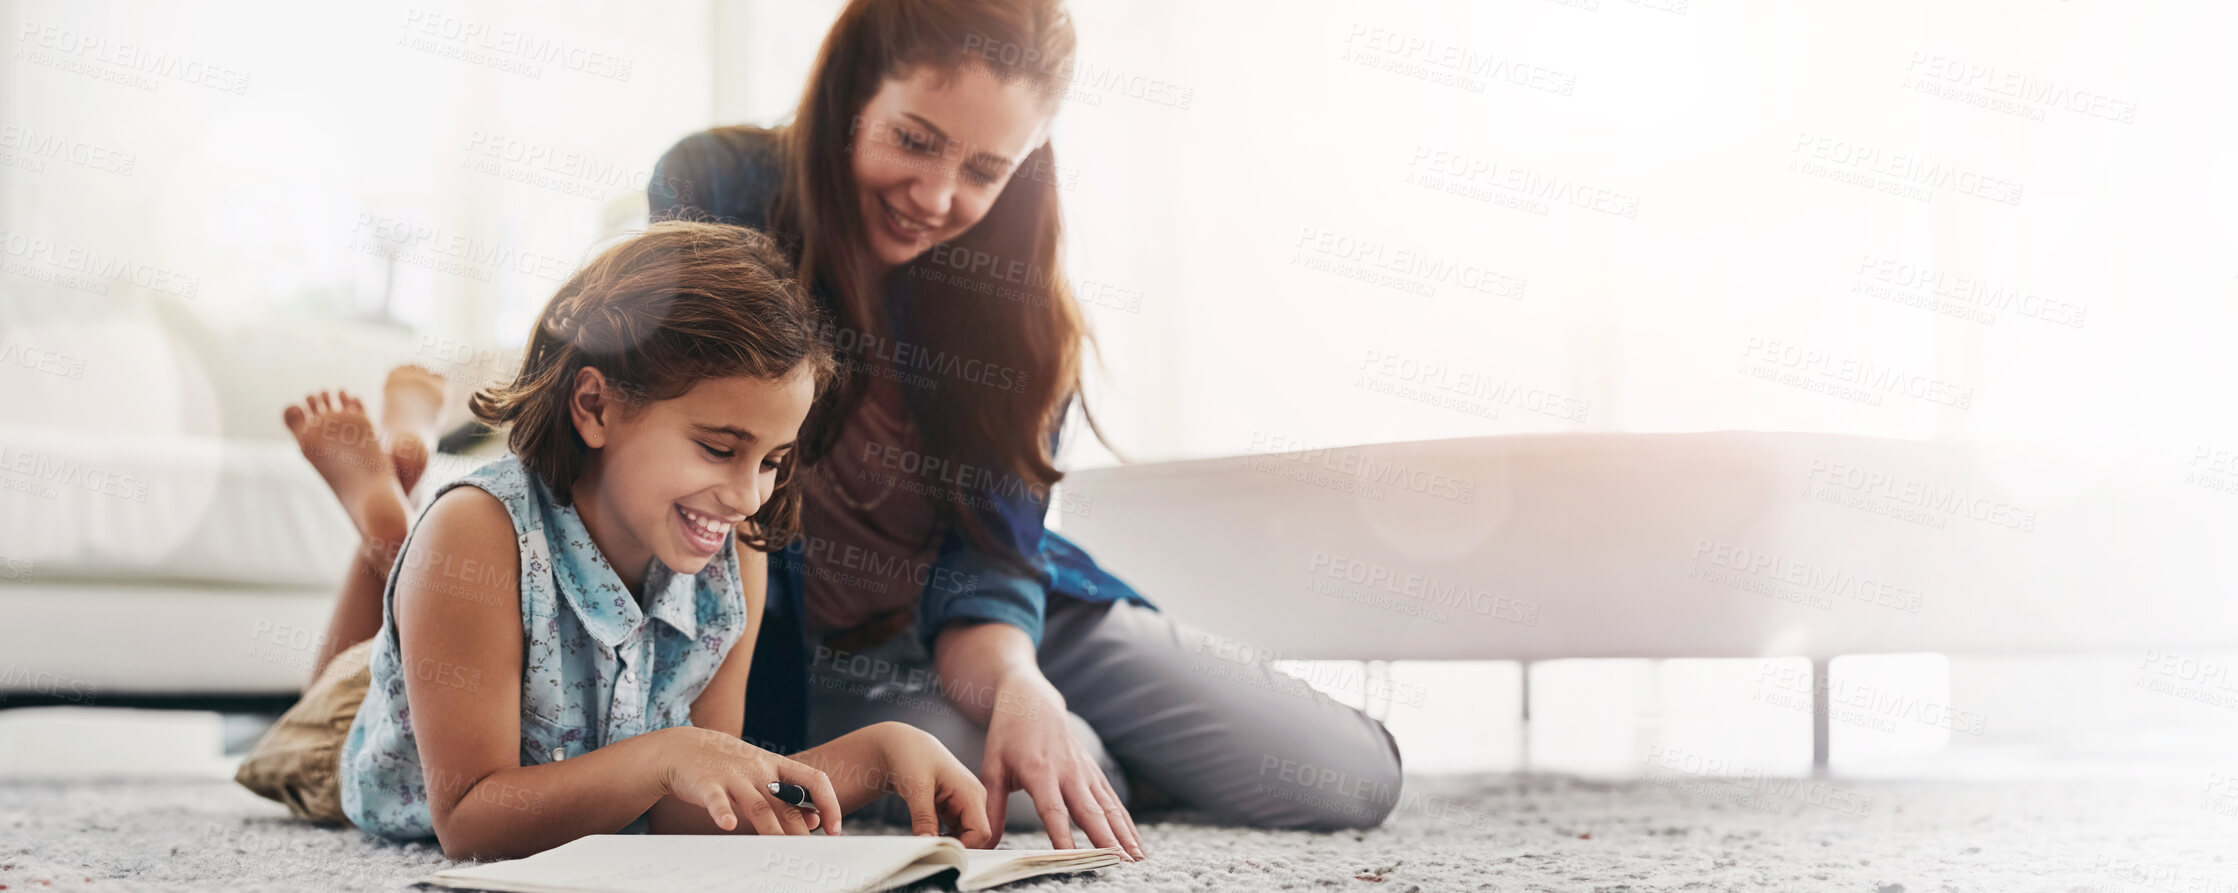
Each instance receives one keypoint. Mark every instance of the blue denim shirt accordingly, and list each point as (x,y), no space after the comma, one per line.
(732,175)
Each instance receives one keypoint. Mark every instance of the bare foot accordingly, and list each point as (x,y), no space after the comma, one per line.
(341,443)
(411,405)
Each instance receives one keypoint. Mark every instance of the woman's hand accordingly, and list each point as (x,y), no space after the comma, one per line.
(1031,747)
(934,783)
(726,776)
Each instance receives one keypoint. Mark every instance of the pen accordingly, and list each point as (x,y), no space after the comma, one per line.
(791,793)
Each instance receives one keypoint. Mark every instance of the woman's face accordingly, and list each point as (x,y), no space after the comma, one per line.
(933,149)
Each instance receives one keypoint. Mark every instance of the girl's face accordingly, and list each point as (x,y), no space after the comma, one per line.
(671,478)
(933,149)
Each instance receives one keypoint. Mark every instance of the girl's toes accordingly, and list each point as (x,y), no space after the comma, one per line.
(293,416)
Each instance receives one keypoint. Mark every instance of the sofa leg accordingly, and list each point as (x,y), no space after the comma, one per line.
(1819,715)
(1523,729)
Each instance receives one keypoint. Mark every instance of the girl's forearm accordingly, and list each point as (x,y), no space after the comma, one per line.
(983,665)
(515,812)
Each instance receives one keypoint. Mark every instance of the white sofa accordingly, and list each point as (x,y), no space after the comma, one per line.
(160,535)
(1725,544)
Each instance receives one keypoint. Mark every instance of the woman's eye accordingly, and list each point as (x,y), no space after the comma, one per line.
(912,141)
(981,177)
(719,454)
(773,463)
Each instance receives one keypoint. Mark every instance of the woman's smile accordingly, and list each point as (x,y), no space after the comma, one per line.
(902,227)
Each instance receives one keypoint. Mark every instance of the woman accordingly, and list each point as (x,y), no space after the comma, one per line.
(914,185)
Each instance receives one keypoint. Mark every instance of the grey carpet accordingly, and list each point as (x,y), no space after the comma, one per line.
(1471,833)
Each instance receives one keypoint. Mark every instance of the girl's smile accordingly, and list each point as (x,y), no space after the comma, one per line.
(704,534)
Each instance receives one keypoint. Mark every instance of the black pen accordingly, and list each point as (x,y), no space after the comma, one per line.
(791,793)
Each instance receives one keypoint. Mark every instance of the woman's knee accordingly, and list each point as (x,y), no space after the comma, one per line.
(1325,788)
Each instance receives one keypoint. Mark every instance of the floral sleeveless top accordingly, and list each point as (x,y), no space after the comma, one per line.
(595,668)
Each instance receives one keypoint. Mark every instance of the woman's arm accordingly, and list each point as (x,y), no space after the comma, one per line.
(461,652)
(990,673)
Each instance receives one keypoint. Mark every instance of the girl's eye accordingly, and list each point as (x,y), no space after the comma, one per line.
(981,177)
(912,141)
(773,463)
(719,454)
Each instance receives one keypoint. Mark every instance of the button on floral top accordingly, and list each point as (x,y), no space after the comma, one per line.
(595,668)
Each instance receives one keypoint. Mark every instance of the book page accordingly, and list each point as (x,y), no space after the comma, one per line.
(990,868)
(630,863)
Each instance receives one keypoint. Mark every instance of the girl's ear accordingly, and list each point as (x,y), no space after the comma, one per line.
(588,405)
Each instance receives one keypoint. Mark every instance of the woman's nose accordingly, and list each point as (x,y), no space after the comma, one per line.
(932,193)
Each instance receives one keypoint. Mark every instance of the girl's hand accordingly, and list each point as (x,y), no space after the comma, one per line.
(934,784)
(1031,747)
(726,776)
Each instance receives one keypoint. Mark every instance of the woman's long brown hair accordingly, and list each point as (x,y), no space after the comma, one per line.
(995,298)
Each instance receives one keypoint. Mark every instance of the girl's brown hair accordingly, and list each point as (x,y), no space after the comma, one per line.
(1025,324)
(657,314)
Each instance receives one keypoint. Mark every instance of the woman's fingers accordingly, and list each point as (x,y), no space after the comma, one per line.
(1122,821)
(1090,813)
(820,791)
(996,783)
(1049,803)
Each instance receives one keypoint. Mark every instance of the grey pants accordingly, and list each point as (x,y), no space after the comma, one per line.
(1200,717)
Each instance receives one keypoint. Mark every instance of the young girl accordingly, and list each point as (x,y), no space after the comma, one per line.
(565,635)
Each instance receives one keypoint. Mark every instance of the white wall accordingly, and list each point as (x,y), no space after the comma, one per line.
(264,155)
(1586,216)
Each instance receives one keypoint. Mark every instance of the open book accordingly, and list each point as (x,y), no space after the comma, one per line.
(628,863)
